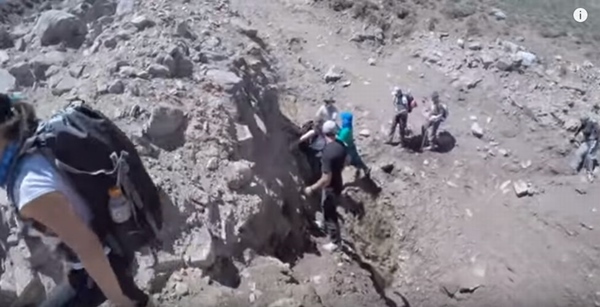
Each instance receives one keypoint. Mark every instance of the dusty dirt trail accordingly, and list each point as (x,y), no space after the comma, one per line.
(464,231)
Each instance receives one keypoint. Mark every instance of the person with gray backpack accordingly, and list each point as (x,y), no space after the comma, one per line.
(403,105)
(78,178)
(585,155)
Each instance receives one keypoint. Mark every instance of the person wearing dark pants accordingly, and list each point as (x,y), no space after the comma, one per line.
(333,160)
(403,104)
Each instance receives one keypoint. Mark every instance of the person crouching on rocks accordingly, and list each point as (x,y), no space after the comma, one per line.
(436,114)
(346,135)
(585,155)
(333,161)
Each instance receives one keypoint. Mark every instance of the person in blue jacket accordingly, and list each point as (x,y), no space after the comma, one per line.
(346,135)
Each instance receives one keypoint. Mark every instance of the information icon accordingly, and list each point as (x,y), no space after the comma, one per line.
(580,15)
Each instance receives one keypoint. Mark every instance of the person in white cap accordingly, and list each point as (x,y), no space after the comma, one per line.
(403,104)
(333,160)
(328,111)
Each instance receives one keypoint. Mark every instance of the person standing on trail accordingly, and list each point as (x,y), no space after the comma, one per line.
(435,115)
(346,135)
(328,111)
(403,104)
(331,183)
(47,200)
(586,153)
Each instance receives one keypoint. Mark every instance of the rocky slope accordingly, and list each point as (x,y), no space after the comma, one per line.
(210,91)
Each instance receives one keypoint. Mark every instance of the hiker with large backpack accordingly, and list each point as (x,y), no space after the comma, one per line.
(403,105)
(435,115)
(77,177)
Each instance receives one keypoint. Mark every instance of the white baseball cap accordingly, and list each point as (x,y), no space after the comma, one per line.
(329,127)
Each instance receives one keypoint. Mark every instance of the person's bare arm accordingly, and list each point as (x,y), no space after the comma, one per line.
(322,182)
(307,135)
(53,211)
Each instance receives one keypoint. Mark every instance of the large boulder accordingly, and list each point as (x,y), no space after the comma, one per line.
(55,27)
(23,74)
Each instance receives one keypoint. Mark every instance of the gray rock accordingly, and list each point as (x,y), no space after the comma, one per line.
(184,67)
(21,45)
(63,85)
(168,61)
(521,188)
(387,167)
(164,121)
(212,164)
(142,22)
(487,60)
(510,47)
(239,174)
(110,42)
(477,130)
(158,71)
(99,9)
(128,71)
(201,249)
(230,82)
(526,59)
(116,87)
(4,57)
(125,7)
(183,30)
(54,27)
(372,61)
(244,28)
(6,41)
(475,46)
(461,43)
(40,64)
(333,75)
(500,15)
(23,74)
(506,64)
(7,81)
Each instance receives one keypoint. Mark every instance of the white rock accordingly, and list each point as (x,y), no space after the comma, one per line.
(158,71)
(212,164)
(4,57)
(521,188)
(461,43)
(372,61)
(527,58)
(125,7)
(365,133)
(333,75)
(7,81)
(239,174)
(142,22)
(500,15)
(228,80)
(201,249)
(477,130)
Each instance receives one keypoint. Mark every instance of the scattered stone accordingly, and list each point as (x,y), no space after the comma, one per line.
(475,46)
(7,81)
(506,64)
(158,71)
(23,74)
(201,248)
(125,7)
(333,75)
(212,164)
(4,57)
(128,71)
(142,22)
(244,28)
(183,30)
(116,87)
(229,81)
(526,59)
(63,85)
(55,27)
(487,60)
(521,188)
(183,67)
(387,167)
(503,152)
(21,45)
(477,130)
(365,133)
(164,121)
(372,61)
(461,43)
(500,15)
(6,40)
(110,43)
(526,164)
(239,174)
(346,83)
(510,46)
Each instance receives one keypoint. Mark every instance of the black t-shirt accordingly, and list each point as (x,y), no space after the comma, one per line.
(332,162)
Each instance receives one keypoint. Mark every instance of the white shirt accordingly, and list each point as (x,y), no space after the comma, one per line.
(328,112)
